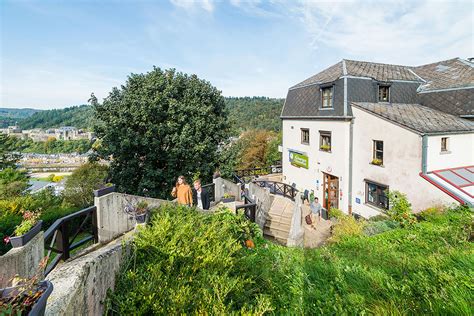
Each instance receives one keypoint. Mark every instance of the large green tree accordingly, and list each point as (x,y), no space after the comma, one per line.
(8,159)
(158,126)
(80,186)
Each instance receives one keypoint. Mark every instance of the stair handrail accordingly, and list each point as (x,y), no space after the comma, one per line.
(279,188)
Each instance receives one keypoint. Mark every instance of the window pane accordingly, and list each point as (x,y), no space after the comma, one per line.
(372,193)
(379,145)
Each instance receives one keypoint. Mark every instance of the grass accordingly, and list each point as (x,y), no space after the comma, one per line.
(186,262)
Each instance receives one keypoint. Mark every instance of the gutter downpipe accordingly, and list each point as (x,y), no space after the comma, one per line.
(351,138)
(424,167)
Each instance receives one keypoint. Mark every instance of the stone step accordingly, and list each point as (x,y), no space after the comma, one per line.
(279,225)
(275,232)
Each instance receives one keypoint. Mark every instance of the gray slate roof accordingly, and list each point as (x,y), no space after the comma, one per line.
(418,118)
(452,73)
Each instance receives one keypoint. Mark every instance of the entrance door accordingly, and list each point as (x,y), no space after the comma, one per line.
(331,191)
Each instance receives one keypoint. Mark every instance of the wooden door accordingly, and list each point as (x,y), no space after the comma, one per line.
(331,191)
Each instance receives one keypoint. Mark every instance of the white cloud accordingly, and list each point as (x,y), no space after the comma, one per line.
(207,5)
(401,32)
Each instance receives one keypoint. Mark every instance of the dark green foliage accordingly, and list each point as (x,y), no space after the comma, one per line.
(254,113)
(13,182)
(192,263)
(80,185)
(17,113)
(158,126)
(51,146)
(51,207)
(78,116)
(7,158)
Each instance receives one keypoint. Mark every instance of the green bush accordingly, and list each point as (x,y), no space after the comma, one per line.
(346,226)
(186,262)
(400,209)
(336,213)
(377,227)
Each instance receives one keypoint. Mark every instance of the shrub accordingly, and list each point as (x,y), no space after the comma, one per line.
(399,208)
(346,226)
(82,182)
(336,213)
(377,227)
(30,219)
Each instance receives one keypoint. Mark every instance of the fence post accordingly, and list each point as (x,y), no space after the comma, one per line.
(94,225)
(62,241)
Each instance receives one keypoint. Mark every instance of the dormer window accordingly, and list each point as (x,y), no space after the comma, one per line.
(384,93)
(326,97)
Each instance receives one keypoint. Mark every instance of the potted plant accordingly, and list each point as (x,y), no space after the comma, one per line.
(325,147)
(29,227)
(377,162)
(141,212)
(27,296)
(227,198)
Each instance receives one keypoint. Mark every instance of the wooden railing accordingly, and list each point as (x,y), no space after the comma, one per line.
(247,175)
(60,237)
(249,207)
(279,188)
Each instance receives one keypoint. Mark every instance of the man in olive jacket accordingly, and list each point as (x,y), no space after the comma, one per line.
(200,196)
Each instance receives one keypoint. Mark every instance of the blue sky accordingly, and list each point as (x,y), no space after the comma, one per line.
(55,53)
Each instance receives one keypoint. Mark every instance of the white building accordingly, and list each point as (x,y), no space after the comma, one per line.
(357,129)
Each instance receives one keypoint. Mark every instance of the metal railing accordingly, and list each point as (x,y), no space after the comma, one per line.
(247,175)
(279,188)
(60,237)
(211,189)
(249,207)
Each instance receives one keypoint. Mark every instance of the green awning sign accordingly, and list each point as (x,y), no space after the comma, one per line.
(299,160)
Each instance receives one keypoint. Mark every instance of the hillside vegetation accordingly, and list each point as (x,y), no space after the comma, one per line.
(187,262)
(78,116)
(244,114)
(9,117)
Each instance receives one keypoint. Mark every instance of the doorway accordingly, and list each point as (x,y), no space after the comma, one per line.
(330,191)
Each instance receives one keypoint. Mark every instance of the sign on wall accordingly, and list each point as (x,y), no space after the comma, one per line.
(299,160)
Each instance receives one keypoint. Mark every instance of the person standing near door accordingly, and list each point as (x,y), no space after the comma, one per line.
(315,211)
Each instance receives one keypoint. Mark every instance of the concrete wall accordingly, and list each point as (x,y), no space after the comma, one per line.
(112,221)
(401,164)
(22,261)
(223,186)
(81,284)
(335,162)
(263,199)
(460,152)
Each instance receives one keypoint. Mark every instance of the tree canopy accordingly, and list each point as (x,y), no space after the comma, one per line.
(158,126)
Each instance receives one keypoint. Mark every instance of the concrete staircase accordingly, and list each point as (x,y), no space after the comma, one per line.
(278,219)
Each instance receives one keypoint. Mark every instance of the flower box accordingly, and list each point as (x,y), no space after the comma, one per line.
(39,305)
(141,218)
(228,199)
(20,241)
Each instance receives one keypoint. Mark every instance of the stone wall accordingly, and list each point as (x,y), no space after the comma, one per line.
(81,284)
(223,186)
(112,221)
(22,261)
(263,199)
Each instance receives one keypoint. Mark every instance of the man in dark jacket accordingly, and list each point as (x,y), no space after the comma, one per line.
(200,196)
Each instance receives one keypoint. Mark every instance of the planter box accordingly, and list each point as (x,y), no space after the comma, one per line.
(20,241)
(228,200)
(40,305)
(141,218)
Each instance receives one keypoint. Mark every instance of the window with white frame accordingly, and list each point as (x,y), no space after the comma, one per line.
(326,97)
(305,136)
(325,140)
(444,144)
(384,93)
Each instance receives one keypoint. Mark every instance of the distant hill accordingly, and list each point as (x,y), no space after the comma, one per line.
(244,113)
(255,112)
(10,117)
(78,116)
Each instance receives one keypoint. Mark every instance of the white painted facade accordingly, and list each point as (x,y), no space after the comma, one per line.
(335,162)
(402,160)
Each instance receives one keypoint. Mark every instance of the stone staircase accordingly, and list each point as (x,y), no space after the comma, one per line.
(278,219)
